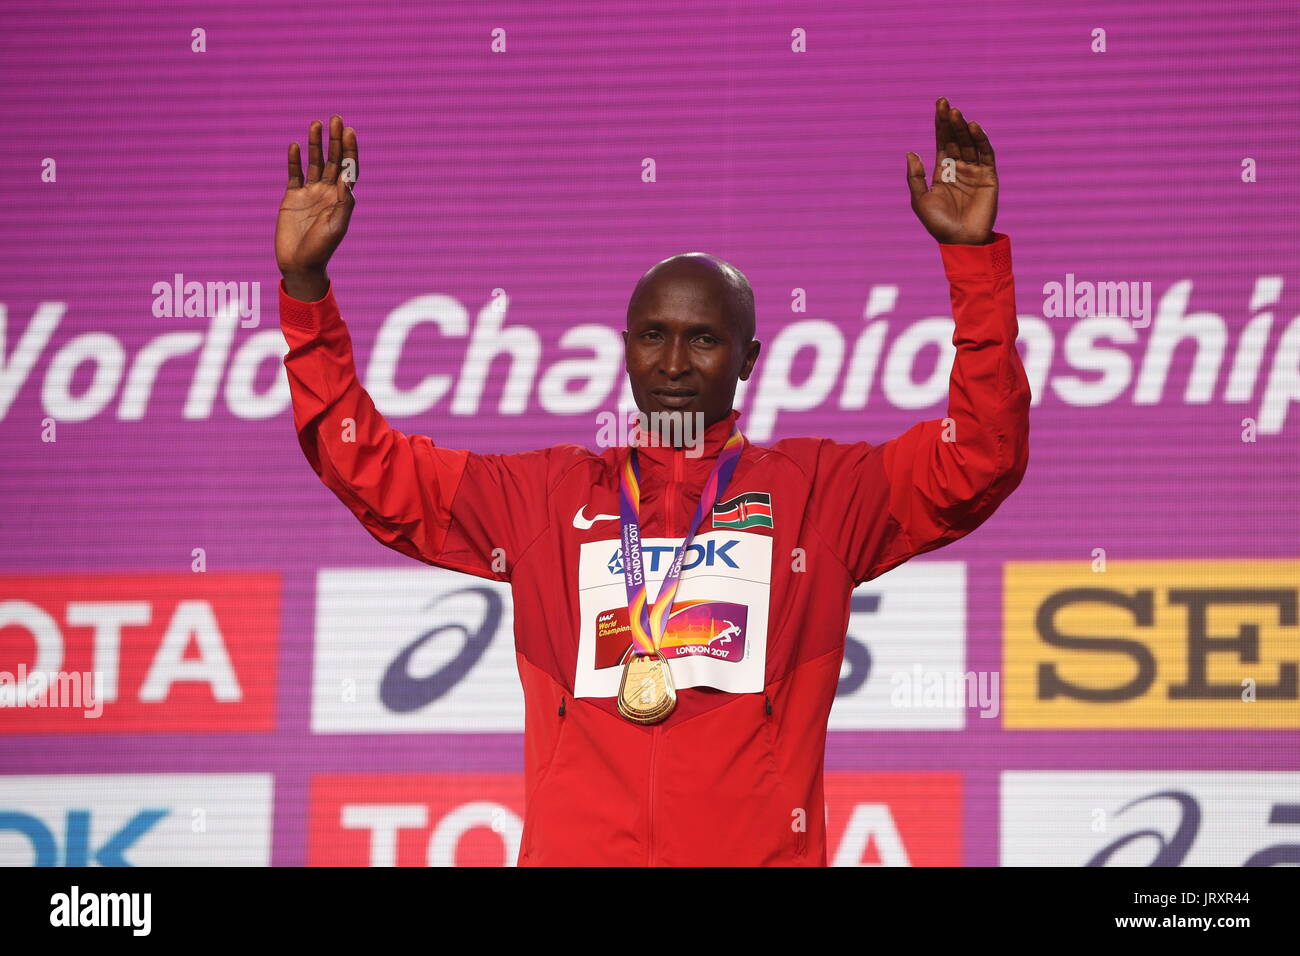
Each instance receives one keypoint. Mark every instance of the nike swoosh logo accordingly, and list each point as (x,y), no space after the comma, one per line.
(582,523)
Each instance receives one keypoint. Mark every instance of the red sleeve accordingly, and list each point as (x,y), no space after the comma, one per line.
(446,507)
(879,505)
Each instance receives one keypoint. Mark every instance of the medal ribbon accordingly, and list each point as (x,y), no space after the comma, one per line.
(649,622)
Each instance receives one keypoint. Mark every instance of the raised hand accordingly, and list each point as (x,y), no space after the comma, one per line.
(961,211)
(314,215)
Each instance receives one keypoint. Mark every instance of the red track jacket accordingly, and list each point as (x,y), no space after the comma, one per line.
(734,775)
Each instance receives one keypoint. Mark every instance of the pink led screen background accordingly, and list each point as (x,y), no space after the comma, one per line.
(522,171)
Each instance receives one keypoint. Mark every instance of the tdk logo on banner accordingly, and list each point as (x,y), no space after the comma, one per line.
(707,553)
(78,847)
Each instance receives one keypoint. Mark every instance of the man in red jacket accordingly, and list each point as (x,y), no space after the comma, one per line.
(680,613)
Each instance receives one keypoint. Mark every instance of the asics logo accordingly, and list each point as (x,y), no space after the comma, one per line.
(583,523)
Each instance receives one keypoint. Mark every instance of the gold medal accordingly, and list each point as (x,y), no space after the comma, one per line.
(646,694)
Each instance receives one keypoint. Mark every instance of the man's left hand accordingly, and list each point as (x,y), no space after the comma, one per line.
(962,200)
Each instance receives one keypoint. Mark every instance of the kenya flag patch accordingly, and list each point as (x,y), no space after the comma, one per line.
(750,510)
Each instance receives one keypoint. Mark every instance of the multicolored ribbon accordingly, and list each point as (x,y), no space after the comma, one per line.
(648,623)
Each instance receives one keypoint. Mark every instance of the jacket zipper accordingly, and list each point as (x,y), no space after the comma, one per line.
(671,524)
(650,826)
(672,492)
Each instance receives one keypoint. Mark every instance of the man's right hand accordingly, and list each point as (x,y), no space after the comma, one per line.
(314,215)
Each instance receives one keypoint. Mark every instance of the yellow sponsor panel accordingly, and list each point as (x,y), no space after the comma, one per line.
(1151,645)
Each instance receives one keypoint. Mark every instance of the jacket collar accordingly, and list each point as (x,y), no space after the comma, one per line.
(715,436)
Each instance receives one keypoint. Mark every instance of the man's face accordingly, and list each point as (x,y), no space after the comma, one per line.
(684,352)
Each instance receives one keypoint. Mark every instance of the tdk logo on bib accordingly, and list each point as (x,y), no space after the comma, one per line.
(716,635)
(705,554)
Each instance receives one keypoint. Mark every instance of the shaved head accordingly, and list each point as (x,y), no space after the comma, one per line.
(690,336)
(718,282)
